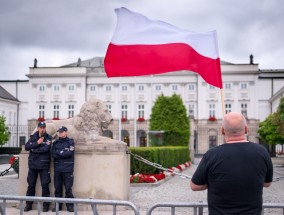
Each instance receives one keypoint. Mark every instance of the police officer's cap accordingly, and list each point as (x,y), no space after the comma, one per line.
(62,128)
(41,124)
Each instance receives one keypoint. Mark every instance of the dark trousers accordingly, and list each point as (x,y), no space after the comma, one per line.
(44,180)
(66,179)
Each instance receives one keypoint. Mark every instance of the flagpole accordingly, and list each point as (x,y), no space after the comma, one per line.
(135,116)
(221,89)
(119,115)
(222,101)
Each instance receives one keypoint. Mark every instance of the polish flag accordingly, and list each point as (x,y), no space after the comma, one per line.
(141,46)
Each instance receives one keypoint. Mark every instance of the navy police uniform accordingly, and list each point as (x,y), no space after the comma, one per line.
(63,154)
(39,164)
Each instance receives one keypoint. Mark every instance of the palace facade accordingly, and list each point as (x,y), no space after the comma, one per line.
(59,92)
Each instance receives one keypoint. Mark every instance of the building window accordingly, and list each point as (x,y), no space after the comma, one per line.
(211,110)
(124,111)
(243,85)
(56,88)
(141,111)
(174,87)
(158,87)
(244,109)
(228,108)
(228,86)
(212,141)
(108,88)
(211,87)
(140,87)
(56,111)
(71,87)
(124,88)
(71,110)
(15,118)
(10,118)
(191,87)
(191,110)
(41,88)
(41,111)
(92,88)
(108,107)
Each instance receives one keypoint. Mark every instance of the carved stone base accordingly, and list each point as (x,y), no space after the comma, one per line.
(101,172)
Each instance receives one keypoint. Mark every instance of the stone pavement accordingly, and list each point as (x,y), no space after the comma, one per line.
(175,189)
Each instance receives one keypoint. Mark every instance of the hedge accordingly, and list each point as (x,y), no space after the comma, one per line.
(10,150)
(166,156)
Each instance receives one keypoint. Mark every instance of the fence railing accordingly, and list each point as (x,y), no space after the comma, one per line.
(198,207)
(39,200)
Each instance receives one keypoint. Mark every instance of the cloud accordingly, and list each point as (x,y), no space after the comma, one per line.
(58,32)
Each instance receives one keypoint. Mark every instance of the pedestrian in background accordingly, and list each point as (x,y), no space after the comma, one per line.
(235,172)
(63,154)
(38,145)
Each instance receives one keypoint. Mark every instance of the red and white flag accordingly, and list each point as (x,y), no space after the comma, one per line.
(141,46)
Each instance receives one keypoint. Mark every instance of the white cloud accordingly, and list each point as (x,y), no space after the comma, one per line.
(59,32)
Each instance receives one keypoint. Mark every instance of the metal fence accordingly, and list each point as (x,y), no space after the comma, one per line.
(198,207)
(39,200)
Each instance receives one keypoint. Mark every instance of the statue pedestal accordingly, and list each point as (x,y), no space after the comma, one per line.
(101,172)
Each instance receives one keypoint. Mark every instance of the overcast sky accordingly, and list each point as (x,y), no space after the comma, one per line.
(59,32)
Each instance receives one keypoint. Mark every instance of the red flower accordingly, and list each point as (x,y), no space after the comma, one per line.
(123,119)
(140,119)
(179,167)
(41,119)
(212,118)
(12,160)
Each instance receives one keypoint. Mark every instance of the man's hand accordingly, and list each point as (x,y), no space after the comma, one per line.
(40,140)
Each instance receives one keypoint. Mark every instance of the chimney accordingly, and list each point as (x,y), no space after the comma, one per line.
(251,59)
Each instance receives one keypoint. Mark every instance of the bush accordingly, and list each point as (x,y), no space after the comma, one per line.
(165,156)
(10,150)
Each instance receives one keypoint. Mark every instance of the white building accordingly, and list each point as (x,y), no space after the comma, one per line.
(9,109)
(53,93)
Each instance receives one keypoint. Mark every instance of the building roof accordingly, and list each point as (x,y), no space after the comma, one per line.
(93,62)
(99,62)
(271,73)
(278,94)
(4,94)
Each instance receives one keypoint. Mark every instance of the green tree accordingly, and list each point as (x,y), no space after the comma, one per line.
(272,128)
(269,130)
(169,115)
(280,117)
(4,131)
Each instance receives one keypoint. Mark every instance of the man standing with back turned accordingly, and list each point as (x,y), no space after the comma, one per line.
(234,173)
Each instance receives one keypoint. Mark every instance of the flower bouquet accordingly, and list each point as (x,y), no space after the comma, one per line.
(15,161)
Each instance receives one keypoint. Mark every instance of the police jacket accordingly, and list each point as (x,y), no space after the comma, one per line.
(63,154)
(39,157)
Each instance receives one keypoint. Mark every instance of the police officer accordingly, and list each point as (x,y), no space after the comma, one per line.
(39,164)
(63,154)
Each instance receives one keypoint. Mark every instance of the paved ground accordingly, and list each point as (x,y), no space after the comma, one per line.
(176,189)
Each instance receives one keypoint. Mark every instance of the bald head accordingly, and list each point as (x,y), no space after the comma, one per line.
(234,124)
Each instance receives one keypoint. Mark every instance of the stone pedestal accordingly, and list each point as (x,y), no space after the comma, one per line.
(101,172)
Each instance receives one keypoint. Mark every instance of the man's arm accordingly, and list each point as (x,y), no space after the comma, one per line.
(196,187)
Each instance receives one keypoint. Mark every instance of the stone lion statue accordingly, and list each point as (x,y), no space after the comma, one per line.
(86,127)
